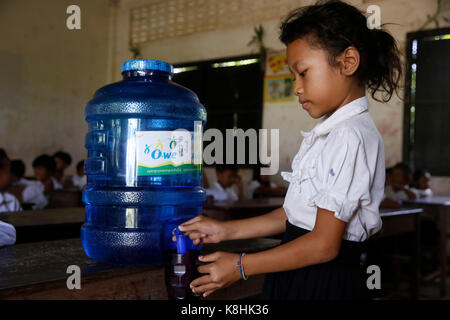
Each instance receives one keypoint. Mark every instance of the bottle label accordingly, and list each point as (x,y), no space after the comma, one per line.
(169,152)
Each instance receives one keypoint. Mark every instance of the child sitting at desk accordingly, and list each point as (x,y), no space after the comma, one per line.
(44,168)
(398,188)
(261,186)
(421,184)
(222,189)
(62,162)
(79,179)
(8,202)
(29,191)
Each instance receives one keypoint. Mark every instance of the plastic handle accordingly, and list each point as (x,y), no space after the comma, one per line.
(181,242)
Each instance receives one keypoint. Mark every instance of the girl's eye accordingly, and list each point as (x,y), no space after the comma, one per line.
(302,74)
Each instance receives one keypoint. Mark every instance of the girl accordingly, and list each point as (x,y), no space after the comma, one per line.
(337,179)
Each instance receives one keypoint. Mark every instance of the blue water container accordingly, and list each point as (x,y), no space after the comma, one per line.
(144,165)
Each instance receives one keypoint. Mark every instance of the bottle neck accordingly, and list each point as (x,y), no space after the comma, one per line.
(146,75)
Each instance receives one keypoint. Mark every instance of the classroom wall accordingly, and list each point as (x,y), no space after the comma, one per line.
(48,74)
(288,117)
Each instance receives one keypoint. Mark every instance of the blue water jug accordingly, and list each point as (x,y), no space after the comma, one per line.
(144,164)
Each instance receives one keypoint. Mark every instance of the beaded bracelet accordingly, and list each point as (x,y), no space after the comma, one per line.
(241,266)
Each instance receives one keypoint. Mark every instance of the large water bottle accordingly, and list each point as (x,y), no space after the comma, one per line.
(144,165)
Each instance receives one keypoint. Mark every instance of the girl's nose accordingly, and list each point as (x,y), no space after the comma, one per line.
(298,88)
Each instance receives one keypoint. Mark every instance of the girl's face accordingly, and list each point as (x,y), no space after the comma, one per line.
(321,88)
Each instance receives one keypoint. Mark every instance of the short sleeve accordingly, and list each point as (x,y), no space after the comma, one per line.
(344,176)
(7,234)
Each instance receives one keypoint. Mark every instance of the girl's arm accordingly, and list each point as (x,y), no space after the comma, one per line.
(206,230)
(320,245)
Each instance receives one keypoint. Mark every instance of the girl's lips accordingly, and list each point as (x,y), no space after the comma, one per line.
(305,104)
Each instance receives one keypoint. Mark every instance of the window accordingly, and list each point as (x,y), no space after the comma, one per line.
(427,101)
(231,91)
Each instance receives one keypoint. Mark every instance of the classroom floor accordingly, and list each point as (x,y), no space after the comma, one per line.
(429,290)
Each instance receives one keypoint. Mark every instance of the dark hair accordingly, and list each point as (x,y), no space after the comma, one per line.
(334,26)
(80,164)
(45,161)
(17,168)
(405,168)
(224,167)
(3,156)
(64,156)
(418,174)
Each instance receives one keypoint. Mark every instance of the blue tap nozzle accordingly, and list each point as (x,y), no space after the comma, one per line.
(181,241)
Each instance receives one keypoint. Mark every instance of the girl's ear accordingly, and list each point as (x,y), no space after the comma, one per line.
(349,61)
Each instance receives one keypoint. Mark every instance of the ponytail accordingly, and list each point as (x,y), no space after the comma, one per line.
(385,70)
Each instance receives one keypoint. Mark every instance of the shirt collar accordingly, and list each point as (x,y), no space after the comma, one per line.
(345,112)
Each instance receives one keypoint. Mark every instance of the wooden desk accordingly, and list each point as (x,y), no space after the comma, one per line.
(240,209)
(440,208)
(403,220)
(47,224)
(38,271)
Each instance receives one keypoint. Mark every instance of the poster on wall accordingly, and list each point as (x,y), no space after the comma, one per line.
(278,81)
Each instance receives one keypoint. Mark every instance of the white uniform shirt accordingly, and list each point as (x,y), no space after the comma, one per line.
(56,184)
(390,193)
(7,234)
(340,167)
(422,193)
(79,181)
(221,194)
(33,193)
(9,203)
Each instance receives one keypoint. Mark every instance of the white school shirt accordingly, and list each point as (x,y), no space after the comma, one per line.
(221,194)
(56,184)
(340,167)
(390,193)
(7,234)
(422,193)
(33,193)
(79,181)
(9,203)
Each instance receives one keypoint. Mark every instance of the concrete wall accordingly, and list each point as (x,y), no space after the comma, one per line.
(288,117)
(48,73)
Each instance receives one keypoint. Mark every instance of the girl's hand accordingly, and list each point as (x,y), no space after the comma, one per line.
(204,230)
(219,274)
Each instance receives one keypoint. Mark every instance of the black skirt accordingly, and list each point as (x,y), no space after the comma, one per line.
(339,279)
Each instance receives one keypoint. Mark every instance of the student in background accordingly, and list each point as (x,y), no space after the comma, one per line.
(261,186)
(44,168)
(222,188)
(7,231)
(389,203)
(63,161)
(421,183)
(28,191)
(79,179)
(398,189)
(7,234)
(8,202)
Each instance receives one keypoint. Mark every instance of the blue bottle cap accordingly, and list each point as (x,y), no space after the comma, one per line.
(147,64)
